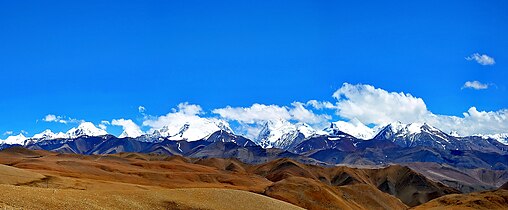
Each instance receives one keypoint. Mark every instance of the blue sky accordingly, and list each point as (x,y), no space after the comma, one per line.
(97,60)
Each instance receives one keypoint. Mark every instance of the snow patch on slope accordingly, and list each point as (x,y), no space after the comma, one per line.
(191,130)
(282,134)
(85,129)
(48,135)
(354,128)
(500,137)
(17,139)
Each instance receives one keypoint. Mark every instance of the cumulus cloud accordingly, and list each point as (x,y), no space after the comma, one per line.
(186,114)
(261,112)
(374,105)
(475,85)
(359,104)
(60,119)
(141,109)
(301,114)
(473,122)
(481,59)
(250,131)
(6,133)
(104,124)
(254,113)
(251,118)
(130,129)
(50,118)
(103,127)
(321,104)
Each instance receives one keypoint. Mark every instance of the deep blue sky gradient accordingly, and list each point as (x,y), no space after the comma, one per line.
(100,60)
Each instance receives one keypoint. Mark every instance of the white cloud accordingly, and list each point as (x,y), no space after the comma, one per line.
(250,131)
(251,118)
(130,129)
(302,114)
(475,85)
(321,104)
(103,127)
(189,109)
(260,112)
(189,114)
(472,122)
(50,118)
(378,106)
(359,104)
(374,105)
(6,133)
(482,59)
(254,114)
(60,119)
(141,109)
(104,124)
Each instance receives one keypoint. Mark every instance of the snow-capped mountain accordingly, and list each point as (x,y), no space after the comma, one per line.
(416,134)
(225,136)
(283,134)
(289,136)
(189,131)
(130,133)
(48,135)
(85,129)
(18,139)
(354,128)
(501,137)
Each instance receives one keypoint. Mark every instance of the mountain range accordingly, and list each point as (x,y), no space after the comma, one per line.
(285,135)
(395,143)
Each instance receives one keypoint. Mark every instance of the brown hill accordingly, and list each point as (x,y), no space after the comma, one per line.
(464,179)
(480,200)
(307,186)
(191,198)
(310,194)
(410,187)
(12,176)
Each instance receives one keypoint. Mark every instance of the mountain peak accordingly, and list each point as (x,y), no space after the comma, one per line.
(411,128)
(354,128)
(282,134)
(130,133)
(85,129)
(48,135)
(414,134)
(191,130)
(17,139)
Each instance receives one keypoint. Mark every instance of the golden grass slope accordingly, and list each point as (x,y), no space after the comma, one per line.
(497,199)
(146,178)
(193,198)
(11,175)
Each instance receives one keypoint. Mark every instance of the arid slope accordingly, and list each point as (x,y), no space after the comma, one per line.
(497,199)
(124,176)
(191,198)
